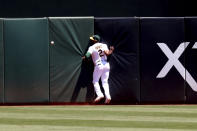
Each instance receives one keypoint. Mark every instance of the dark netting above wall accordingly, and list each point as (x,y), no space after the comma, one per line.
(1,63)
(123,34)
(70,79)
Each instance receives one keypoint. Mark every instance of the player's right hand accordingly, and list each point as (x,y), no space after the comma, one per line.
(83,57)
(111,48)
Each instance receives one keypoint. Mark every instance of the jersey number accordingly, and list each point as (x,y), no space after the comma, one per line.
(100,53)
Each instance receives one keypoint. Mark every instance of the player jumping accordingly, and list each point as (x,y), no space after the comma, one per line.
(99,53)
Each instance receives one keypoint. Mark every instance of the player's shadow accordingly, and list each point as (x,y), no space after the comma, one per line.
(84,81)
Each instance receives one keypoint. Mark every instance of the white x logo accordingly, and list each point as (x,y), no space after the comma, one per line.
(173,61)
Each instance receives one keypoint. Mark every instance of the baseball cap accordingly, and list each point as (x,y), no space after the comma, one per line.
(95,37)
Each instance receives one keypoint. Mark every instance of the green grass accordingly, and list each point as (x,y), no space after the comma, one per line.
(99,118)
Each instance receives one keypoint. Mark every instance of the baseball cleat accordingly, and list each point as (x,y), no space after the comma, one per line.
(98,98)
(107,100)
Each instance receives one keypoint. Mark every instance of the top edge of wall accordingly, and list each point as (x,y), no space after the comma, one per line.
(115,17)
(191,17)
(161,17)
(85,17)
(97,17)
(24,18)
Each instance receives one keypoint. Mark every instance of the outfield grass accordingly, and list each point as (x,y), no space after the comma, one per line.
(99,118)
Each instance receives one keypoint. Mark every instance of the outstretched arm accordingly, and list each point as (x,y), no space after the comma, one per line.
(110,51)
(87,55)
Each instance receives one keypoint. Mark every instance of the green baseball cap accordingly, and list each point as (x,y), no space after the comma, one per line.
(95,37)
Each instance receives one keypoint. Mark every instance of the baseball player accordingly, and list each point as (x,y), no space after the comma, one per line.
(99,53)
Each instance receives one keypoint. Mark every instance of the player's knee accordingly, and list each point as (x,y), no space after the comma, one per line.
(95,81)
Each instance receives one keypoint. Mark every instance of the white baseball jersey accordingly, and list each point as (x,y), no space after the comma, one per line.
(98,55)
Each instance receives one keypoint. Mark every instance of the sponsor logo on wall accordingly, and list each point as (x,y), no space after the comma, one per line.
(173,60)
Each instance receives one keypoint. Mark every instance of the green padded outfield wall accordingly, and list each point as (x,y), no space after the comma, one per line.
(68,76)
(26,60)
(1,63)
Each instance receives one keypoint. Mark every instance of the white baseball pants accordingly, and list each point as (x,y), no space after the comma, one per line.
(101,71)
